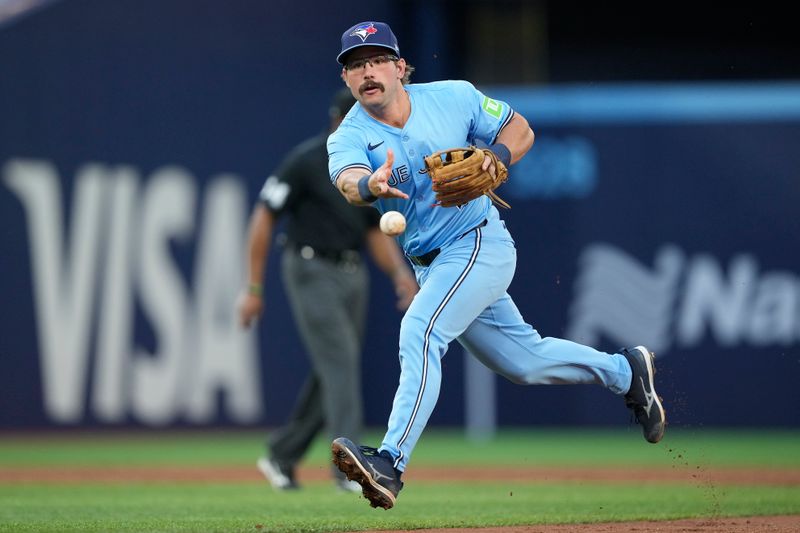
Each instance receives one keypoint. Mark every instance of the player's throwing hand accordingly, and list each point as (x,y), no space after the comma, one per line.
(379,180)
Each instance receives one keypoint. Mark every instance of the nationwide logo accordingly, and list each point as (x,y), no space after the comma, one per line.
(364,31)
(682,301)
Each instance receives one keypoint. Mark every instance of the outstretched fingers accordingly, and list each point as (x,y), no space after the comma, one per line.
(379,182)
(384,172)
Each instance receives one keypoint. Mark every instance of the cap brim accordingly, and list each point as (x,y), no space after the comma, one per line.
(343,54)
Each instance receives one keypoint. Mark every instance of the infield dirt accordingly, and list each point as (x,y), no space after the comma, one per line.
(698,476)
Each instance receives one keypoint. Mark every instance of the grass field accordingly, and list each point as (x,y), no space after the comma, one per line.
(248,504)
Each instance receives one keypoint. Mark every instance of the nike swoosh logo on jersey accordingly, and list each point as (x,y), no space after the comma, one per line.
(371,146)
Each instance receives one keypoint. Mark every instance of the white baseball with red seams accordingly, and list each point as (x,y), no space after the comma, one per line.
(393,223)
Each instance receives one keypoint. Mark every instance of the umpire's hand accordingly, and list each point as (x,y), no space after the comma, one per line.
(250,308)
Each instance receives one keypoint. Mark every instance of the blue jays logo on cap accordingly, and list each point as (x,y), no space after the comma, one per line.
(368,33)
(364,31)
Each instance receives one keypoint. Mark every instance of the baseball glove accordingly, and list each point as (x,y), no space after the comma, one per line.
(458,176)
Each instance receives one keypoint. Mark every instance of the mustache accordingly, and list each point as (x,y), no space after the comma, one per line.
(369,84)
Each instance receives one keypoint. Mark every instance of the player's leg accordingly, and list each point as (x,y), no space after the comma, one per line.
(465,278)
(453,291)
(506,344)
(502,340)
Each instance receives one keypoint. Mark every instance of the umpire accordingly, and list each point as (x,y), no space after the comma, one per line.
(326,283)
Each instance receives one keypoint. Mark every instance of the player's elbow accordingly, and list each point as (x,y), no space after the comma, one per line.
(530,138)
(519,137)
(524,143)
(527,132)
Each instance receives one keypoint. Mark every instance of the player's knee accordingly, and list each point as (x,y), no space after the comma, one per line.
(412,332)
(520,379)
(527,376)
(413,322)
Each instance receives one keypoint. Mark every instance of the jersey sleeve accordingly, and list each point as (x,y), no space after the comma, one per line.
(489,116)
(345,152)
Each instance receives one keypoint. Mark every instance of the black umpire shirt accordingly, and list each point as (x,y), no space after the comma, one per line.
(320,216)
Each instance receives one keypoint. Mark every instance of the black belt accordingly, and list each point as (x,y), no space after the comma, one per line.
(427,259)
(337,256)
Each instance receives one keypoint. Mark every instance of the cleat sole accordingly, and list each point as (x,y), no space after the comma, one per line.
(346,462)
(657,431)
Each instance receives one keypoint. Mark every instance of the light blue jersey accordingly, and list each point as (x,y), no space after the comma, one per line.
(462,292)
(444,114)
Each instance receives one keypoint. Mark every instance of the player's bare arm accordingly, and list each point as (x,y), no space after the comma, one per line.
(363,189)
(517,136)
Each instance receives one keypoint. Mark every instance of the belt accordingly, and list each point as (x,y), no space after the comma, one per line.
(427,259)
(336,256)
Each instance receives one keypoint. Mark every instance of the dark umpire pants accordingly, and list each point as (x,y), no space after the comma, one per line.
(328,298)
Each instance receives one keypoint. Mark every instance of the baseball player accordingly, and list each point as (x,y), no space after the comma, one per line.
(326,284)
(464,257)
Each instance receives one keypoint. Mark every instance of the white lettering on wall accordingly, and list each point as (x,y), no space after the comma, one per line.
(63,275)
(221,361)
(618,297)
(682,302)
(776,310)
(716,301)
(167,215)
(111,391)
(119,257)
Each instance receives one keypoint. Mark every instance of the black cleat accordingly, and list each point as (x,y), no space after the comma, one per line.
(642,397)
(380,482)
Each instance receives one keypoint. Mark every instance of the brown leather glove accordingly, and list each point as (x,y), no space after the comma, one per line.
(458,176)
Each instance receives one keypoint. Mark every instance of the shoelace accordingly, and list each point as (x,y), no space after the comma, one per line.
(369,451)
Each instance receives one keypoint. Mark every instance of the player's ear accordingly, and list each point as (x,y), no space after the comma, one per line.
(344,77)
(401,68)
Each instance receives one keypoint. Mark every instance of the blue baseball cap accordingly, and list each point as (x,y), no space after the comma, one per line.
(368,34)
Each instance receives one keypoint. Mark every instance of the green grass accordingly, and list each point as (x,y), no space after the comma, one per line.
(546,447)
(318,508)
(162,506)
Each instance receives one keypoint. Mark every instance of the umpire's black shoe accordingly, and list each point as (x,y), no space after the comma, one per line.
(642,397)
(380,482)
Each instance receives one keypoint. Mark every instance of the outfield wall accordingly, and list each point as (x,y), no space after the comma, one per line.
(667,215)
(663,214)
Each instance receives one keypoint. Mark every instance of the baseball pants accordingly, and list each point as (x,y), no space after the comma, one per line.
(463,297)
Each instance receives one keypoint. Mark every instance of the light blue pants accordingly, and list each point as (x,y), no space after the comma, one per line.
(463,296)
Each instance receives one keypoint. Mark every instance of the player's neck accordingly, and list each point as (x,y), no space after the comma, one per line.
(395,113)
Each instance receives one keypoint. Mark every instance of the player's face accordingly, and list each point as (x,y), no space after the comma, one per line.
(372,73)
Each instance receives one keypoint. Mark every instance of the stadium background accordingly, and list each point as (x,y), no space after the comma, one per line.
(134,137)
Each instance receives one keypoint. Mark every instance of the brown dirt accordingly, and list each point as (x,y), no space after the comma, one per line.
(752,524)
(238,474)
(318,474)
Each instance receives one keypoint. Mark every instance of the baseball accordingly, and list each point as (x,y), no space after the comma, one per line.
(393,223)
